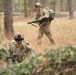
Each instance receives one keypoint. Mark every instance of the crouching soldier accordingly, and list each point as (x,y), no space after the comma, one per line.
(19,50)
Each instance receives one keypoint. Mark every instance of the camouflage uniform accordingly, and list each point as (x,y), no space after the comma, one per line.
(19,53)
(44,27)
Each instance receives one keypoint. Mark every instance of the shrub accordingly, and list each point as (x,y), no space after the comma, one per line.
(3,54)
(61,61)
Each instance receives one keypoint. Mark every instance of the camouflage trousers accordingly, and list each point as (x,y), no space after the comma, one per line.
(45,29)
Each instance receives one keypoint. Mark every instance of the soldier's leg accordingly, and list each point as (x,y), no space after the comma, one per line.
(40,35)
(47,31)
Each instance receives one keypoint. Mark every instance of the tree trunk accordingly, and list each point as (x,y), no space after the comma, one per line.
(8,20)
(70,8)
(61,5)
(1,5)
(25,8)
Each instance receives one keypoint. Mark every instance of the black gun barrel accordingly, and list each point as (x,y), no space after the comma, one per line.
(37,20)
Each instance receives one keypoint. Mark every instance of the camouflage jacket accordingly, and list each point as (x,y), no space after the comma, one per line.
(19,54)
(43,12)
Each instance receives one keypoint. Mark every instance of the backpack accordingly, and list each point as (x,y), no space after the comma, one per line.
(51,15)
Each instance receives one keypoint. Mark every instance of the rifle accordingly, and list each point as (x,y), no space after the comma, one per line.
(34,21)
(37,20)
(12,58)
(9,59)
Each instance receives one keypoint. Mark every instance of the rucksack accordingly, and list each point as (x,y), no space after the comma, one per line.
(51,15)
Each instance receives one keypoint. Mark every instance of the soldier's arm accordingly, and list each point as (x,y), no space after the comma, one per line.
(29,50)
(9,55)
(8,58)
(46,14)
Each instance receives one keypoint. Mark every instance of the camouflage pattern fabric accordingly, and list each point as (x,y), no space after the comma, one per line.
(19,54)
(42,13)
(45,26)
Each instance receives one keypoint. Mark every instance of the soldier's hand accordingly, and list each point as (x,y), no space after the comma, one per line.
(42,17)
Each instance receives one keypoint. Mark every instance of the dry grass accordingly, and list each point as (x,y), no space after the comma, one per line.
(63,31)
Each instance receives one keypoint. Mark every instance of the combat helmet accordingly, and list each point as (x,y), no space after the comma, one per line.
(18,36)
(38,4)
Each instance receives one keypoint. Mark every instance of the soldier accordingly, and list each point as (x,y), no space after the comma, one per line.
(19,50)
(44,27)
